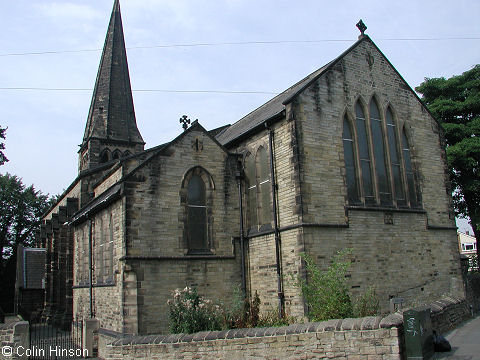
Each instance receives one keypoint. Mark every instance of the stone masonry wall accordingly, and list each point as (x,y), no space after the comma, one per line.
(156,213)
(376,338)
(401,252)
(108,292)
(261,261)
(402,259)
(14,340)
(353,339)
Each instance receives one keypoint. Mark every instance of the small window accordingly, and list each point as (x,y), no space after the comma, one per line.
(264,184)
(105,156)
(251,190)
(197,215)
(116,155)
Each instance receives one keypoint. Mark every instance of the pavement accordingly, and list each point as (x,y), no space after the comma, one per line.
(465,342)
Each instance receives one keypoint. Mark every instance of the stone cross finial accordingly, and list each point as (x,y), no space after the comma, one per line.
(185,121)
(361,26)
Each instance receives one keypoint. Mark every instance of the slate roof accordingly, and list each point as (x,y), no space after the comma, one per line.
(276,106)
(97,203)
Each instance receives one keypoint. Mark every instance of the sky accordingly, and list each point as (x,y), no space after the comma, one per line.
(214,61)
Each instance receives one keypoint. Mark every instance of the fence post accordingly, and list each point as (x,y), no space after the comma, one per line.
(90,328)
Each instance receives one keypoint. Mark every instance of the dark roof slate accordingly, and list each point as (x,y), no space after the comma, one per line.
(276,106)
(112,115)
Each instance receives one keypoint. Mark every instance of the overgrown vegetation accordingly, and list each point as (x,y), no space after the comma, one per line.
(190,312)
(327,295)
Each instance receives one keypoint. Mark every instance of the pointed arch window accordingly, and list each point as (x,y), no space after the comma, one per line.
(382,178)
(349,155)
(409,174)
(116,155)
(385,172)
(395,159)
(364,154)
(105,156)
(197,214)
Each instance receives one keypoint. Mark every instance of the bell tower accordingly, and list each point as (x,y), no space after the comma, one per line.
(111,131)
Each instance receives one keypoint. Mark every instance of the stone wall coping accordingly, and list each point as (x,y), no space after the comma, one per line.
(367,323)
(393,320)
(7,326)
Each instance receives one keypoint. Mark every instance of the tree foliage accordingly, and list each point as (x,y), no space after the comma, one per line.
(455,102)
(20,211)
(3,158)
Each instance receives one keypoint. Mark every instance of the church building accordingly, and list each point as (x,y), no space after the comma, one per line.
(347,158)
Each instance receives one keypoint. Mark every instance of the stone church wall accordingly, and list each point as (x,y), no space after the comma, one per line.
(108,291)
(157,249)
(261,259)
(402,252)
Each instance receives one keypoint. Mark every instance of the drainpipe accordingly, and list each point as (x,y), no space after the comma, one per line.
(90,264)
(239,175)
(278,244)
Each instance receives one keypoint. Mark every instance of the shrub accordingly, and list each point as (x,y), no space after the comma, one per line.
(244,312)
(326,292)
(271,319)
(190,313)
(366,304)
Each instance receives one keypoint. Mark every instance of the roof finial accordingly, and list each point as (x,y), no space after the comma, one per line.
(185,121)
(362,27)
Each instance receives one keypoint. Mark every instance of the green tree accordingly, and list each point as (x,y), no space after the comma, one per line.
(3,158)
(455,102)
(20,211)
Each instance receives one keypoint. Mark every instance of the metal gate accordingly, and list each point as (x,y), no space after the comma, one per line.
(49,342)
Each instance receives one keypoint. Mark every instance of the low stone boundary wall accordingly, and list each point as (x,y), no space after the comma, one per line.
(448,313)
(14,336)
(371,337)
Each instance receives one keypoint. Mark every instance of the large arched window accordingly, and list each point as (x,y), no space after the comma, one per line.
(349,155)
(383,182)
(391,179)
(395,159)
(197,214)
(364,154)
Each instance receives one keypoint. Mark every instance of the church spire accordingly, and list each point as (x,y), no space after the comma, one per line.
(111,129)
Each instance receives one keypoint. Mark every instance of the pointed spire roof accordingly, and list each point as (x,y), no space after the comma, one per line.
(112,116)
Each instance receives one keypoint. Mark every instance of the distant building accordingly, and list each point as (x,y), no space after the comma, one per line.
(347,157)
(30,281)
(467,245)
